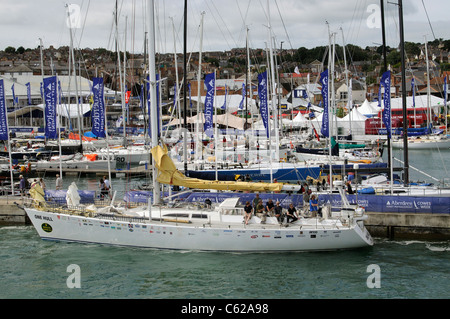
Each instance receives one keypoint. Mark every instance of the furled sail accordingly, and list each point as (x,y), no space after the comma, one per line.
(168,174)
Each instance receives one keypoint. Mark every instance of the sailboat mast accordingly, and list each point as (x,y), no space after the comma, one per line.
(274,87)
(198,145)
(405,118)
(428,85)
(383,33)
(75,77)
(153,97)
(349,100)
(185,86)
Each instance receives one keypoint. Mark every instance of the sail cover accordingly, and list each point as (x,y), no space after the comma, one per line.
(169,175)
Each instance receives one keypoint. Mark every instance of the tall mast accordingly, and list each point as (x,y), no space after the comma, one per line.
(76,84)
(185,86)
(153,97)
(198,135)
(383,32)
(405,118)
(274,87)
(349,100)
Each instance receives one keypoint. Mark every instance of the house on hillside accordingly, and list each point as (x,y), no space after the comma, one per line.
(359,92)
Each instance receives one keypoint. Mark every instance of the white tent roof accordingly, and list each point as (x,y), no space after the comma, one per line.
(421,102)
(69,110)
(299,120)
(356,116)
(224,119)
(367,109)
(233,102)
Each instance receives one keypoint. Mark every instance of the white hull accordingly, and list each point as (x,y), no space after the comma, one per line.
(213,233)
(131,155)
(424,143)
(73,164)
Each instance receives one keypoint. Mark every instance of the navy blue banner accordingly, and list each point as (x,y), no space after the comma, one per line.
(445,95)
(3,114)
(371,203)
(98,108)
(28,85)
(394,204)
(386,82)
(263,104)
(50,97)
(244,93)
(325,119)
(210,81)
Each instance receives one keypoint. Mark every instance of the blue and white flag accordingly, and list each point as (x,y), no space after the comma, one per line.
(413,90)
(379,95)
(210,80)
(3,114)
(119,121)
(445,95)
(224,106)
(28,85)
(15,99)
(190,97)
(263,103)
(386,82)
(325,119)
(174,99)
(244,94)
(141,97)
(51,98)
(98,108)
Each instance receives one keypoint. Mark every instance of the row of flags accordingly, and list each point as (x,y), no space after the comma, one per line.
(51,92)
(385,82)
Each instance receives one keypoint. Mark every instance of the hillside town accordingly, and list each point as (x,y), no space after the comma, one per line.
(298,70)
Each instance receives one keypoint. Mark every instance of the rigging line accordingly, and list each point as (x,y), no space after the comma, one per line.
(429,22)
(84,23)
(244,19)
(284,25)
(226,27)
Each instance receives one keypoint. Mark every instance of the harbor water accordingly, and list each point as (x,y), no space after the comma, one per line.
(33,268)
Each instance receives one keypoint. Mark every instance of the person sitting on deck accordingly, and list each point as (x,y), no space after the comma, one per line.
(269,207)
(278,212)
(248,212)
(260,211)
(291,213)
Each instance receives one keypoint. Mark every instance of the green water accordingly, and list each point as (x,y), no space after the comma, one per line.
(33,268)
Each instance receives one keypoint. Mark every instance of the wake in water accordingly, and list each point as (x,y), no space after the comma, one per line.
(438,246)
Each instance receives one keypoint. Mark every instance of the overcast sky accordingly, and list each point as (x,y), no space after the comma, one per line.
(296,23)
